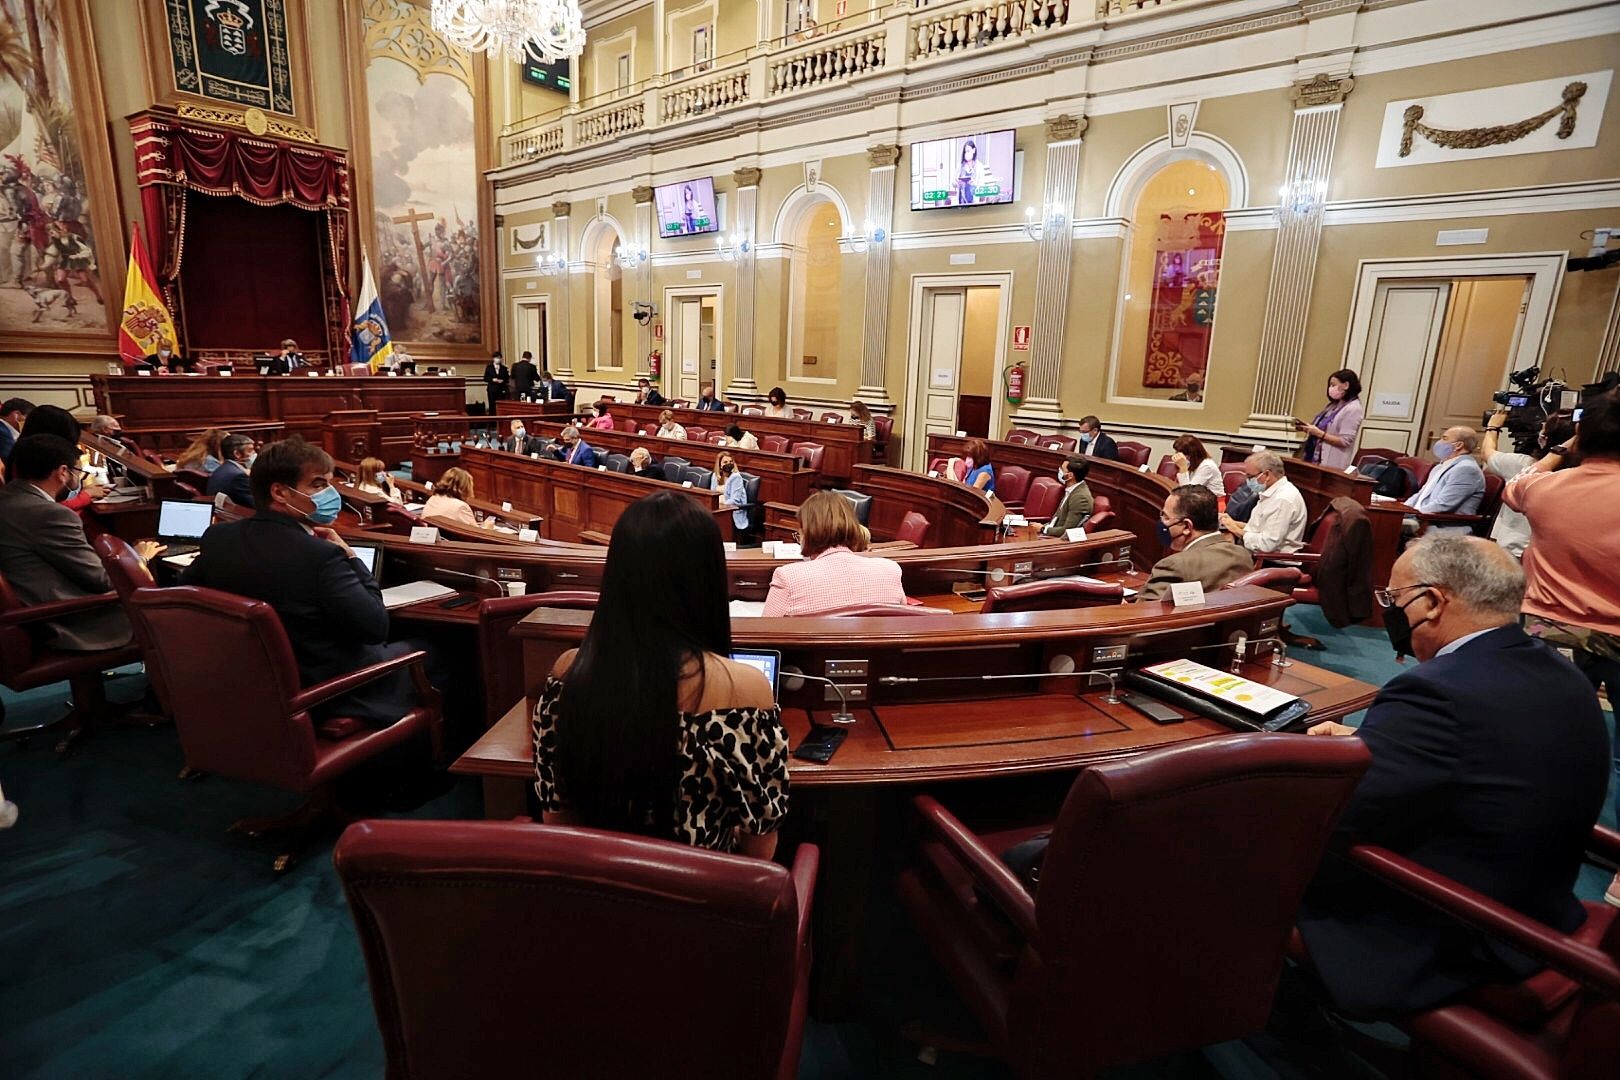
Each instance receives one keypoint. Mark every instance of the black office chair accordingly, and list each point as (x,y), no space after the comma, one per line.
(756,511)
(860,501)
(675,469)
(617,462)
(698,477)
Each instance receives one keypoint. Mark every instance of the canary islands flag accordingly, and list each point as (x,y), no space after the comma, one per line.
(369,340)
(145,319)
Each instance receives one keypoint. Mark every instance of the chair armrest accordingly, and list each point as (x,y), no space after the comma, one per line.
(806,861)
(1448,519)
(1590,966)
(990,872)
(1303,558)
(322,692)
(1604,844)
(56,609)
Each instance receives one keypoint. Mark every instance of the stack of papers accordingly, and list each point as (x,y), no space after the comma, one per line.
(182,561)
(414,593)
(747,609)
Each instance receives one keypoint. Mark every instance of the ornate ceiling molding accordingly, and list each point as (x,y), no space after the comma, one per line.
(401,30)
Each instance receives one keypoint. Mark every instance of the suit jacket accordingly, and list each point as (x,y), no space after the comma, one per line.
(1212,563)
(581,454)
(45,557)
(1453,487)
(714,404)
(8,439)
(654,397)
(552,391)
(497,379)
(330,606)
(232,479)
(524,376)
(1343,576)
(1489,765)
(1072,512)
(1103,446)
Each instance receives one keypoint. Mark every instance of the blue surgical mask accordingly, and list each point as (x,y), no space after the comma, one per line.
(1443,449)
(327,504)
(1253,484)
(381,478)
(1087,436)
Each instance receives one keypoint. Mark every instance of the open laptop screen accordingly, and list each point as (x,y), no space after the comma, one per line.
(182,520)
(367,553)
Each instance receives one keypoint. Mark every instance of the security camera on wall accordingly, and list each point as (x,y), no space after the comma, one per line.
(643,312)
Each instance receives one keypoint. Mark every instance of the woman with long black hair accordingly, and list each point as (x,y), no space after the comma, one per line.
(649,727)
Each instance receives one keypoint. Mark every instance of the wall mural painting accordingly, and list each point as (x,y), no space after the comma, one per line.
(232,50)
(1186,275)
(49,275)
(424,176)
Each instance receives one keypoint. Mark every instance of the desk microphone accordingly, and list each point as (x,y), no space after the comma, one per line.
(484,578)
(8,812)
(843,715)
(1113,697)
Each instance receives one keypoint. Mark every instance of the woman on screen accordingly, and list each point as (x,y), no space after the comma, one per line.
(690,212)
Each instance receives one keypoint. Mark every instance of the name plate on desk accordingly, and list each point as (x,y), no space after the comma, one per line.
(1187,593)
(225,372)
(785,550)
(1074,534)
(529,536)
(144,371)
(424,534)
(506,508)
(393,374)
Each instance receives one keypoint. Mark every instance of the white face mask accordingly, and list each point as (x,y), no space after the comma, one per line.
(1063,478)
(518,433)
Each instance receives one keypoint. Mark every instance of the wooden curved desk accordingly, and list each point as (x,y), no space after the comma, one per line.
(846,444)
(1136,496)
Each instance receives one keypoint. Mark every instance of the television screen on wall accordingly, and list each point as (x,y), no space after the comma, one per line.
(686,208)
(971,170)
(552,76)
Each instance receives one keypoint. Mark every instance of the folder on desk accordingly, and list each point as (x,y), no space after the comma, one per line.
(414,593)
(1239,703)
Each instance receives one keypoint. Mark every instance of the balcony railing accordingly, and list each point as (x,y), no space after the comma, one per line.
(881,41)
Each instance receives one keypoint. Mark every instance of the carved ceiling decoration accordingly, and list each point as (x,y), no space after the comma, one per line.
(253,121)
(401,30)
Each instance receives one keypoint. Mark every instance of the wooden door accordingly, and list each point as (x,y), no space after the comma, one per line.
(1477,344)
(1407,320)
(939,373)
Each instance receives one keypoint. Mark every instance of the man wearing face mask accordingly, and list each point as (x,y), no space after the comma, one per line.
(1198,552)
(1489,765)
(288,556)
(1077,502)
(1455,486)
(43,551)
(1278,520)
(231,477)
(1095,442)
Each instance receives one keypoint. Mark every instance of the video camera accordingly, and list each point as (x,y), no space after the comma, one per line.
(1529,404)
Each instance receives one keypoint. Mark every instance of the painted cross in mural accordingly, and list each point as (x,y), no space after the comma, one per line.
(48,269)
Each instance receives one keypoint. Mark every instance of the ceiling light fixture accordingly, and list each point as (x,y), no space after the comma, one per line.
(546,30)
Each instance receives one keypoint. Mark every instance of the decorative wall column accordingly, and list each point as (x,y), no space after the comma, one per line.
(643,226)
(1063,138)
(743,242)
(562,364)
(875,317)
(1317,107)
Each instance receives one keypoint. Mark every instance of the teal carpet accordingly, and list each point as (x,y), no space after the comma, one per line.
(138,940)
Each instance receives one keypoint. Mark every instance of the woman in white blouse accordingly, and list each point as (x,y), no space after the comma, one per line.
(374,480)
(668,428)
(449,499)
(776,403)
(1194,466)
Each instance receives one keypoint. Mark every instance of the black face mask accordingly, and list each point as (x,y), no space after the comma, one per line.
(1399,628)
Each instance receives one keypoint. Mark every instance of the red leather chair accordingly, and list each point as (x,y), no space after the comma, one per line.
(883,430)
(1102,515)
(441,905)
(1050,596)
(803,414)
(810,453)
(262,731)
(776,444)
(1306,558)
(499,653)
(1134,454)
(913,527)
(1023,436)
(26,664)
(1233,477)
(1012,484)
(696,434)
(1045,495)
(1168,468)
(1418,467)
(715,438)
(647,429)
(1062,443)
(1131,838)
(752,410)
(1283,579)
(1562,1022)
(399,520)
(1378,452)
(128,572)
(833,418)
(868,610)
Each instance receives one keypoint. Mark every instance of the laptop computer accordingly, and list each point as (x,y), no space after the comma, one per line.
(371,555)
(182,523)
(767,661)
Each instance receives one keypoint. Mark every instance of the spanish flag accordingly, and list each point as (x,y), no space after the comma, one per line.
(145,319)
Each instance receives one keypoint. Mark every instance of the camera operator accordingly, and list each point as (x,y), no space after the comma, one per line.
(1512,529)
(1572,570)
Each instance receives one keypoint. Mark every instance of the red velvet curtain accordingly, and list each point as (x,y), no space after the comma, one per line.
(250,285)
(172,156)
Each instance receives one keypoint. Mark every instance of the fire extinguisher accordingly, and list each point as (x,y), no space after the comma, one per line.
(655,362)
(1015,383)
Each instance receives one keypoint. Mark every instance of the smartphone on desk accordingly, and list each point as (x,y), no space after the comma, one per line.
(820,744)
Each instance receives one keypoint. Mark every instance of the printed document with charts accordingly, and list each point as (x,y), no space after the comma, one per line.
(1222,686)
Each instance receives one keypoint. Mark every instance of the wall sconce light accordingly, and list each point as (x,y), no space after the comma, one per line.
(733,247)
(870,236)
(1302,197)
(1051,220)
(632,255)
(551,265)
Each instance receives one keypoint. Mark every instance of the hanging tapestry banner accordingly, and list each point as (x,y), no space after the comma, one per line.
(1181,318)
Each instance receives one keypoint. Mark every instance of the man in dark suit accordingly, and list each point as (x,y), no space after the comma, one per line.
(13,413)
(524,376)
(287,555)
(573,449)
(707,401)
(647,394)
(1097,442)
(1191,519)
(1077,502)
(550,388)
(43,551)
(288,361)
(232,475)
(497,380)
(1489,765)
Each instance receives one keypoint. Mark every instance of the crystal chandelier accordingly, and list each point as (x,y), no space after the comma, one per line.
(547,30)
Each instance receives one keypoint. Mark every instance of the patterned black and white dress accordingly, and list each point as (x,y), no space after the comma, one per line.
(734,771)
